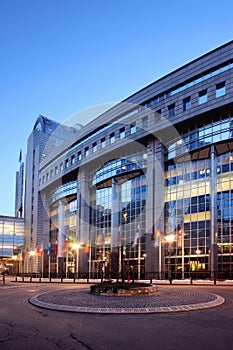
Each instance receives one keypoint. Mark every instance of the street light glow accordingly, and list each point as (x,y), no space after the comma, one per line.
(169,238)
(76,246)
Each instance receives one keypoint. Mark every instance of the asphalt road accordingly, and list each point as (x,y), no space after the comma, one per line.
(24,326)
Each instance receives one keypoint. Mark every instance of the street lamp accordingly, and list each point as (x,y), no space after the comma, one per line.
(76,247)
(169,239)
(144,256)
(198,252)
(123,245)
(32,253)
(103,268)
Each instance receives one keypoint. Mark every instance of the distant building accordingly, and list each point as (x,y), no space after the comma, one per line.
(45,137)
(11,242)
(19,187)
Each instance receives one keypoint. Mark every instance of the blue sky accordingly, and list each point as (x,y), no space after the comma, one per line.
(59,57)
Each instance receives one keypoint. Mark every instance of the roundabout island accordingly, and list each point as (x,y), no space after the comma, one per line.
(139,299)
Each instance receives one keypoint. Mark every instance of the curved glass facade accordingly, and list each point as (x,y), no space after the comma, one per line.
(118,217)
(218,131)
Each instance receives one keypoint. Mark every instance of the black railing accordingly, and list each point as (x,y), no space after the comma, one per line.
(154,275)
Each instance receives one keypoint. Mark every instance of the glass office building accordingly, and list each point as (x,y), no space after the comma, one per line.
(11,241)
(145,188)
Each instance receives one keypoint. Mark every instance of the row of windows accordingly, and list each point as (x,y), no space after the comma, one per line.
(102,143)
(189,84)
(211,133)
(225,168)
(202,98)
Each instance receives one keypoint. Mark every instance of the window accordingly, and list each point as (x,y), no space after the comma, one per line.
(66,163)
(145,122)
(112,137)
(158,115)
(122,133)
(56,170)
(94,147)
(86,151)
(103,142)
(186,103)
(72,160)
(202,96)
(61,167)
(47,176)
(51,173)
(220,89)
(171,110)
(133,128)
(79,155)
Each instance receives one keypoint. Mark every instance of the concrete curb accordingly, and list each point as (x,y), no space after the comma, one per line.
(139,310)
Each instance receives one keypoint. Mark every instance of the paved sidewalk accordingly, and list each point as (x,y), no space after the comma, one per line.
(166,300)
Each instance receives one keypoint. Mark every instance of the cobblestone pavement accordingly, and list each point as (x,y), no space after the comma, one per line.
(166,300)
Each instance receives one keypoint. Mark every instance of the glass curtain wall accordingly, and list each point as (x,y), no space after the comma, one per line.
(118,254)
(225,214)
(187,217)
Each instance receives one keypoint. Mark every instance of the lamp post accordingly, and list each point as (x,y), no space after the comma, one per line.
(169,239)
(123,248)
(76,247)
(32,253)
(198,252)
(103,268)
(144,256)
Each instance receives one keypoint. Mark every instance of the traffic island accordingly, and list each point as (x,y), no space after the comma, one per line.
(167,300)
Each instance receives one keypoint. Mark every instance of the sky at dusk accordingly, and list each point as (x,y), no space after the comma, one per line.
(59,57)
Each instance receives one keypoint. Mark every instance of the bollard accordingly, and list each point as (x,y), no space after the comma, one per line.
(215,280)
(191,280)
(170,280)
(3,279)
(151,280)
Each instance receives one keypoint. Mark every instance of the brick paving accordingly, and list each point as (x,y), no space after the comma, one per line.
(166,300)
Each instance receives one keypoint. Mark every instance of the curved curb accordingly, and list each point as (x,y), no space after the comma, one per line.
(143,310)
